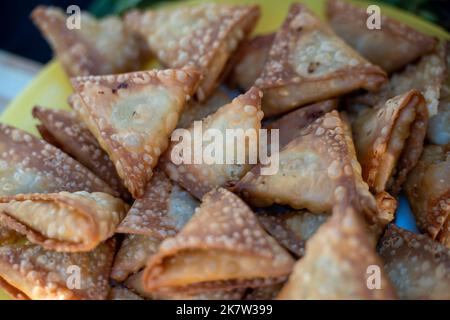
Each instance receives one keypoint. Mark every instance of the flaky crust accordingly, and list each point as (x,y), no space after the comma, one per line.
(133,255)
(418,267)
(389,140)
(65,131)
(336,263)
(391,47)
(291,228)
(223,225)
(290,124)
(204,36)
(161,212)
(132,116)
(309,63)
(249,61)
(30,165)
(428,192)
(97,47)
(45,275)
(63,221)
(244,112)
(427,76)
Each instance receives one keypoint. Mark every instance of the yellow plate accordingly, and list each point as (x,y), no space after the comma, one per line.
(51,86)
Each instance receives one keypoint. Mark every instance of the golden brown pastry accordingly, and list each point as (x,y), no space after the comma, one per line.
(65,131)
(291,228)
(391,47)
(389,140)
(132,116)
(133,255)
(195,110)
(30,165)
(244,112)
(96,47)
(309,63)
(439,124)
(338,263)
(221,248)
(427,75)
(249,61)
(162,211)
(290,124)
(136,284)
(418,267)
(428,192)
(63,221)
(204,36)
(51,275)
(313,172)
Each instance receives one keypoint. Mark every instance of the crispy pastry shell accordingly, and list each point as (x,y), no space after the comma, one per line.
(391,47)
(132,116)
(30,165)
(63,221)
(221,248)
(309,63)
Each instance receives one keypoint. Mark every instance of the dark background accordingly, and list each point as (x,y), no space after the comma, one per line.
(18,35)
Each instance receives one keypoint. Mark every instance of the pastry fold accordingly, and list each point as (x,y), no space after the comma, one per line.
(389,140)
(249,61)
(162,211)
(31,165)
(133,255)
(428,192)
(96,47)
(290,124)
(426,75)
(391,47)
(50,275)
(63,221)
(136,284)
(195,110)
(309,63)
(244,114)
(314,170)
(204,36)
(336,263)
(65,131)
(418,267)
(132,116)
(222,247)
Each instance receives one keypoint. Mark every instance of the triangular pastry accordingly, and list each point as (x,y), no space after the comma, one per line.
(391,47)
(242,113)
(221,247)
(94,47)
(63,221)
(337,263)
(309,63)
(132,116)
(204,36)
(389,140)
